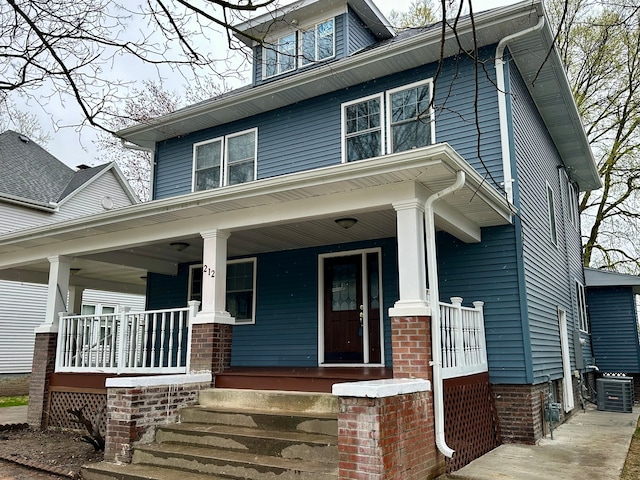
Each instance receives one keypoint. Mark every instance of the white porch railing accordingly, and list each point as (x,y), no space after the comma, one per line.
(464,350)
(128,342)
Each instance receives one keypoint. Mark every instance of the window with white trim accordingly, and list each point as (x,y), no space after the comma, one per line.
(363,128)
(572,202)
(551,206)
(241,288)
(279,56)
(318,43)
(582,308)
(226,160)
(409,117)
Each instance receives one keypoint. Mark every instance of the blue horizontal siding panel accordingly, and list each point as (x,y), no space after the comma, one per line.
(614,329)
(307,135)
(487,271)
(358,35)
(550,271)
(167,291)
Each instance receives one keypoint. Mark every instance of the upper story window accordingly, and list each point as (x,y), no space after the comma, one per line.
(409,117)
(318,43)
(226,160)
(363,128)
(553,226)
(280,56)
(300,48)
(409,122)
(571,201)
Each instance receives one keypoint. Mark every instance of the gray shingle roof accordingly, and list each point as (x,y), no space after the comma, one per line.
(28,171)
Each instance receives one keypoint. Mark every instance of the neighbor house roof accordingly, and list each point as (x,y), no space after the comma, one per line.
(31,176)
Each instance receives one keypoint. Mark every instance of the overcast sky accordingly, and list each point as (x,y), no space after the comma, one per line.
(77,147)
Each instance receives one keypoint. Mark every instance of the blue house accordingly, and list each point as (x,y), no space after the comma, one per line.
(364,209)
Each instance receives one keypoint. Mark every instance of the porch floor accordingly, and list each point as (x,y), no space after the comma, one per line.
(305,379)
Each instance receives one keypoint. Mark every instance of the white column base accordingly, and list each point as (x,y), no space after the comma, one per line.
(213,317)
(408,308)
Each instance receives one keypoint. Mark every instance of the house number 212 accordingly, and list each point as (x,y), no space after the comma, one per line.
(207,270)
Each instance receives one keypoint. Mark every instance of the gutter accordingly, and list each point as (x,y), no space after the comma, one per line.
(505,139)
(434,299)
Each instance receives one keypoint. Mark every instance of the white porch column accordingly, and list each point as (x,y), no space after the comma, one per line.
(412,273)
(214,279)
(75,299)
(56,293)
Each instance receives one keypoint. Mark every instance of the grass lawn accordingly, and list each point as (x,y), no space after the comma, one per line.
(631,470)
(14,401)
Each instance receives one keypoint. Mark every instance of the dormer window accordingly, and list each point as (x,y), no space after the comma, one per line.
(280,56)
(318,43)
(299,49)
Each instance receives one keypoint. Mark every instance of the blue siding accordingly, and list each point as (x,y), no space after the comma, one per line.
(550,271)
(358,35)
(488,271)
(614,329)
(286,328)
(308,135)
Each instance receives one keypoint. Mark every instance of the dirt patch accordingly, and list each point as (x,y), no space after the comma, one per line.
(631,470)
(53,451)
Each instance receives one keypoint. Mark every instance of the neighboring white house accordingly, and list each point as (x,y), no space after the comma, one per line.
(35,189)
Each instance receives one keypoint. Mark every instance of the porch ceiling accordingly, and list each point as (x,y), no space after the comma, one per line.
(114,250)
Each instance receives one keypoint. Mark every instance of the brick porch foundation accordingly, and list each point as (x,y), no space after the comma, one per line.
(210,347)
(44,363)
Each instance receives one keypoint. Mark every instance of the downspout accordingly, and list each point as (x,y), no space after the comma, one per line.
(502,106)
(434,299)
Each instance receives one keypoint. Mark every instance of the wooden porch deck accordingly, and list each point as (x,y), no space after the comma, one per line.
(305,379)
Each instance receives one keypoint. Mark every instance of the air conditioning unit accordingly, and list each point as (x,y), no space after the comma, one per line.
(615,394)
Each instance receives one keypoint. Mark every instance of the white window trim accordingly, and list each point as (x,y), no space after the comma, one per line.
(551,215)
(343,118)
(314,27)
(253,260)
(226,153)
(224,156)
(194,159)
(432,123)
(581,300)
(274,45)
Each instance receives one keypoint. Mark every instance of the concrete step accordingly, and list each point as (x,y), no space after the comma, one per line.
(269,400)
(281,420)
(285,444)
(113,471)
(232,464)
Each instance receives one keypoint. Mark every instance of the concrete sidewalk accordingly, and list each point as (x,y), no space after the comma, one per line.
(11,415)
(590,445)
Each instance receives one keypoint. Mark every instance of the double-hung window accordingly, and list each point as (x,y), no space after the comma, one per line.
(571,201)
(241,288)
(226,160)
(409,117)
(280,55)
(582,308)
(318,43)
(363,128)
(553,226)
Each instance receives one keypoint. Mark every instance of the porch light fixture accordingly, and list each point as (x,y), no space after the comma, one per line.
(346,222)
(178,246)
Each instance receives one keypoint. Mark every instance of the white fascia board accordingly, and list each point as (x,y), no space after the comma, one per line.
(50,207)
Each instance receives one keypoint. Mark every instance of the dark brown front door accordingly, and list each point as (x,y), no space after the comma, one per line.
(347,338)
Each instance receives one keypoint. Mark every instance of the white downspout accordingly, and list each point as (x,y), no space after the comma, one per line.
(502,107)
(434,296)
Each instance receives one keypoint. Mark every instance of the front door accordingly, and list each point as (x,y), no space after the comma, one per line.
(351,301)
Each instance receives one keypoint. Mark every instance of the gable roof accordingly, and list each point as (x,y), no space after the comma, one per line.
(532,51)
(31,176)
(29,172)
(604,278)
